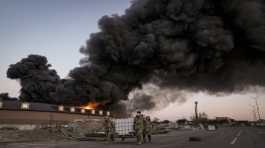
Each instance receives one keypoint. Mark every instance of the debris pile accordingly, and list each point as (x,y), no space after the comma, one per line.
(76,130)
(81,129)
(15,135)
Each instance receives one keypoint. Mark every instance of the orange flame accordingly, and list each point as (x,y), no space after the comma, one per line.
(90,105)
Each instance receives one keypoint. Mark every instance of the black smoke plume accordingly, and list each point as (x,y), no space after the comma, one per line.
(209,45)
(37,80)
(216,46)
(86,86)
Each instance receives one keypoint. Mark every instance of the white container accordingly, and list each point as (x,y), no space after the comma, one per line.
(124,126)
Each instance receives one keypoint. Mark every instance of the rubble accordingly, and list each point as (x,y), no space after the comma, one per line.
(76,130)
(80,129)
(15,135)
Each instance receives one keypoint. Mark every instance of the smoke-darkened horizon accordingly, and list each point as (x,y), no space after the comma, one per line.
(175,44)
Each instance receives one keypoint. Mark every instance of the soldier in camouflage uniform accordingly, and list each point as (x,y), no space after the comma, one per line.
(147,129)
(139,127)
(109,129)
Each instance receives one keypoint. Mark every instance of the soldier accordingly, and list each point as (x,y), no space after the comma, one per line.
(139,127)
(148,129)
(109,129)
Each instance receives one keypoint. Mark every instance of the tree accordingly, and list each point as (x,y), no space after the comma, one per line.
(156,120)
(5,96)
(201,118)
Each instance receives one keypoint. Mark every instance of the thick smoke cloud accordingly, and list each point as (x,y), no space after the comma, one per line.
(209,45)
(38,81)
(140,101)
(86,86)
(217,46)
(151,96)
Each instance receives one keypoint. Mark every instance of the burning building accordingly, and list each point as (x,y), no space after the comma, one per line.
(29,115)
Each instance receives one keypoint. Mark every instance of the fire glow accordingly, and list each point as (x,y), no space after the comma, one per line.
(90,106)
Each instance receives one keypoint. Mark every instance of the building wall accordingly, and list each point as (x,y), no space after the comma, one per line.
(34,117)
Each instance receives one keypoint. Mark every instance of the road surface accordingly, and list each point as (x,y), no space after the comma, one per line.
(232,137)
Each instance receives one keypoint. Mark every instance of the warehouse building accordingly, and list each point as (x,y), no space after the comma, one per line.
(26,115)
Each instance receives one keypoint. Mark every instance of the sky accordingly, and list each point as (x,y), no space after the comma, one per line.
(236,106)
(58,28)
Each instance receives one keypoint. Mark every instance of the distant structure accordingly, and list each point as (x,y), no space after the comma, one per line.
(256,110)
(254,113)
(257,105)
(196,110)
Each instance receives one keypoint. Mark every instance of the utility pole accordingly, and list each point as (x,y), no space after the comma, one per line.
(257,106)
(196,110)
(254,113)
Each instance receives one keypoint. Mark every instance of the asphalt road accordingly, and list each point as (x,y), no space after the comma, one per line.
(232,137)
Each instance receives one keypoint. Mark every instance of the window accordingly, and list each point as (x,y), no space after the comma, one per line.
(72,109)
(83,111)
(108,113)
(25,106)
(101,112)
(61,108)
(93,112)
